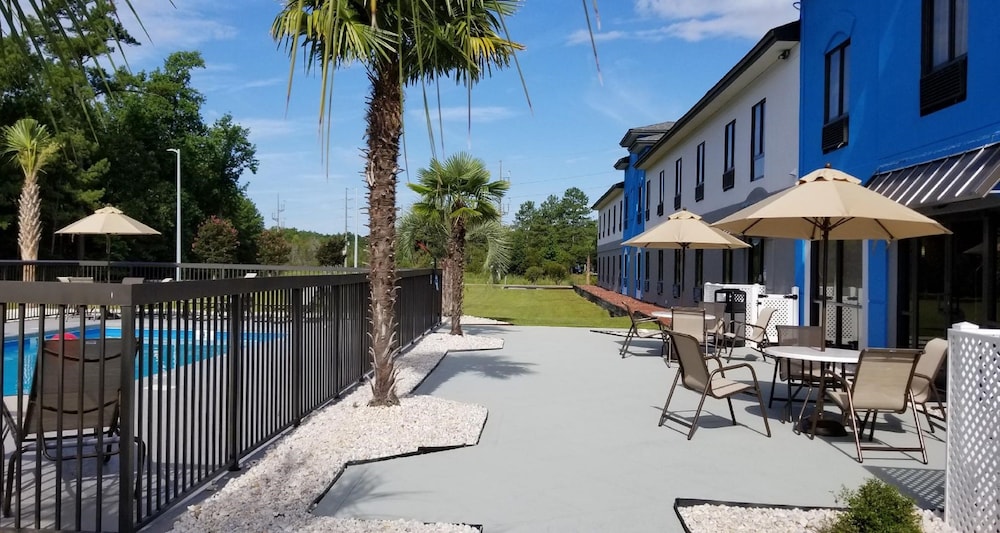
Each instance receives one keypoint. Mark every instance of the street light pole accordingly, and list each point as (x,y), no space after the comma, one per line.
(177,255)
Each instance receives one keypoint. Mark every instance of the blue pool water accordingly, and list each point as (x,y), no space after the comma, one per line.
(157,351)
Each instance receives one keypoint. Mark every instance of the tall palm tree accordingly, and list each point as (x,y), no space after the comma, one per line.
(398,42)
(32,147)
(458,191)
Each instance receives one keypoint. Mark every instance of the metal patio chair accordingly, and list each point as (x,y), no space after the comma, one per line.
(881,383)
(72,409)
(757,332)
(796,373)
(695,375)
(923,386)
(634,331)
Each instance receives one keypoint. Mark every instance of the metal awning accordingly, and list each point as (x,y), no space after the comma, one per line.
(966,176)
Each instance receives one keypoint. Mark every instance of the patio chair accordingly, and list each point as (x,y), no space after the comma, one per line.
(923,386)
(795,372)
(715,329)
(634,331)
(756,335)
(72,410)
(690,321)
(695,375)
(881,383)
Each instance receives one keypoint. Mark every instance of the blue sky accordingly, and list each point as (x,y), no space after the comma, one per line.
(657,58)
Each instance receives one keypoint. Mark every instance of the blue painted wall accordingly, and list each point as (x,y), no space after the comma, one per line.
(635,192)
(886,129)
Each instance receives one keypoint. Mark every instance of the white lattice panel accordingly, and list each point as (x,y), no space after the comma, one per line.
(850,316)
(972,472)
(786,310)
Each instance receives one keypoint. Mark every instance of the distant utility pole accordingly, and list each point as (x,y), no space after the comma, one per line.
(276,215)
(357,226)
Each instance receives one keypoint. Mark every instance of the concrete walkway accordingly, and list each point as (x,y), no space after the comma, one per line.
(572,444)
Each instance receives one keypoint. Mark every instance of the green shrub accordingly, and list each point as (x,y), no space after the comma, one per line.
(555,271)
(876,507)
(534,274)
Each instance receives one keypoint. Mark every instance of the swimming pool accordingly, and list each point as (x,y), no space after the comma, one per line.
(160,349)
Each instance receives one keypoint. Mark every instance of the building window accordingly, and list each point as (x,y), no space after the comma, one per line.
(614,217)
(677,183)
(663,183)
(729,158)
(757,141)
(624,216)
(755,262)
(645,273)
(727,266)
(835,108)
(659,265)
(699,173)
(944,63)
(648,183)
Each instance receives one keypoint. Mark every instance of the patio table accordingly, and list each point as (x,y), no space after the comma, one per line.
(827,357)
(668,314)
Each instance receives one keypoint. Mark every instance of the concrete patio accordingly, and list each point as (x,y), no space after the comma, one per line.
(572,444)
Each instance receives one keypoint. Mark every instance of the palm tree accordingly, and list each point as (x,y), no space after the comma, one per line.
(32,148)
(398,43)
(432,233)
(458,191)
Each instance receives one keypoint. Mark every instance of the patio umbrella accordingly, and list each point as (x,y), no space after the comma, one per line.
(826,205)
(683,230)
(108,221)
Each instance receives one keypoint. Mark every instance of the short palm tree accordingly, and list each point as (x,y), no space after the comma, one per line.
(460,193)
(398,42)
(32,147)
(432,232)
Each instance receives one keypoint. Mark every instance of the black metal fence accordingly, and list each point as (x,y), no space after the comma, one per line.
(120,400)
(116,271)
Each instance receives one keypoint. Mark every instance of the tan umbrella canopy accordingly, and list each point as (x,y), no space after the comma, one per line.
(107,221)
(826,205)
(683,230)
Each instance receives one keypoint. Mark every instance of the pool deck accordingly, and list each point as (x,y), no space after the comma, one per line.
(572,444)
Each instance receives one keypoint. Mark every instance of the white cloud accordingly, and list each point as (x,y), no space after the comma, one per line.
(583,37)
(694,20)
(185,25)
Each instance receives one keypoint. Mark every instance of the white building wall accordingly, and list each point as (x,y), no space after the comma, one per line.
(609,237)
(776,81)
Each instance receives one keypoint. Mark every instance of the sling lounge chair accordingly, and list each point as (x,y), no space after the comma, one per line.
(923,386)
(634,331)
(755,333)
(881,383)
(72,410)
(695,375)
(795,372)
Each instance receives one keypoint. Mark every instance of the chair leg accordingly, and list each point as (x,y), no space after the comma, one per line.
(732,414)
(760,400)
(10,484)
(819,407)
(663,414)
(697,414)
(920,431)
(774,381)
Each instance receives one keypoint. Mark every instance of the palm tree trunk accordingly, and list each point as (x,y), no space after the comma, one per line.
(384,129)
(456,256)
(447,272)
(29,223)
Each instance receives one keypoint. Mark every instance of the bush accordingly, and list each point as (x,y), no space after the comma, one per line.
(534,274)
(555,271)
(876,507)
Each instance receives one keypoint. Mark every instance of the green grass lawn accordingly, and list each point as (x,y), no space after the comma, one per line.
(537,307)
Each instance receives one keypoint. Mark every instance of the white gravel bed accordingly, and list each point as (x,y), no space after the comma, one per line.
(710,518)
(477,321)
(275,493)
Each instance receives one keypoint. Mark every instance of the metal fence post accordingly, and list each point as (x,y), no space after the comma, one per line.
(297,386)
(127,502)
(233,403)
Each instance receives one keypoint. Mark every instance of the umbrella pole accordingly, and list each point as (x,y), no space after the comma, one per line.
(822,289)
(107,246)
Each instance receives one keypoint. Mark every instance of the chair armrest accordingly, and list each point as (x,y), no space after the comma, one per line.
(734,367)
